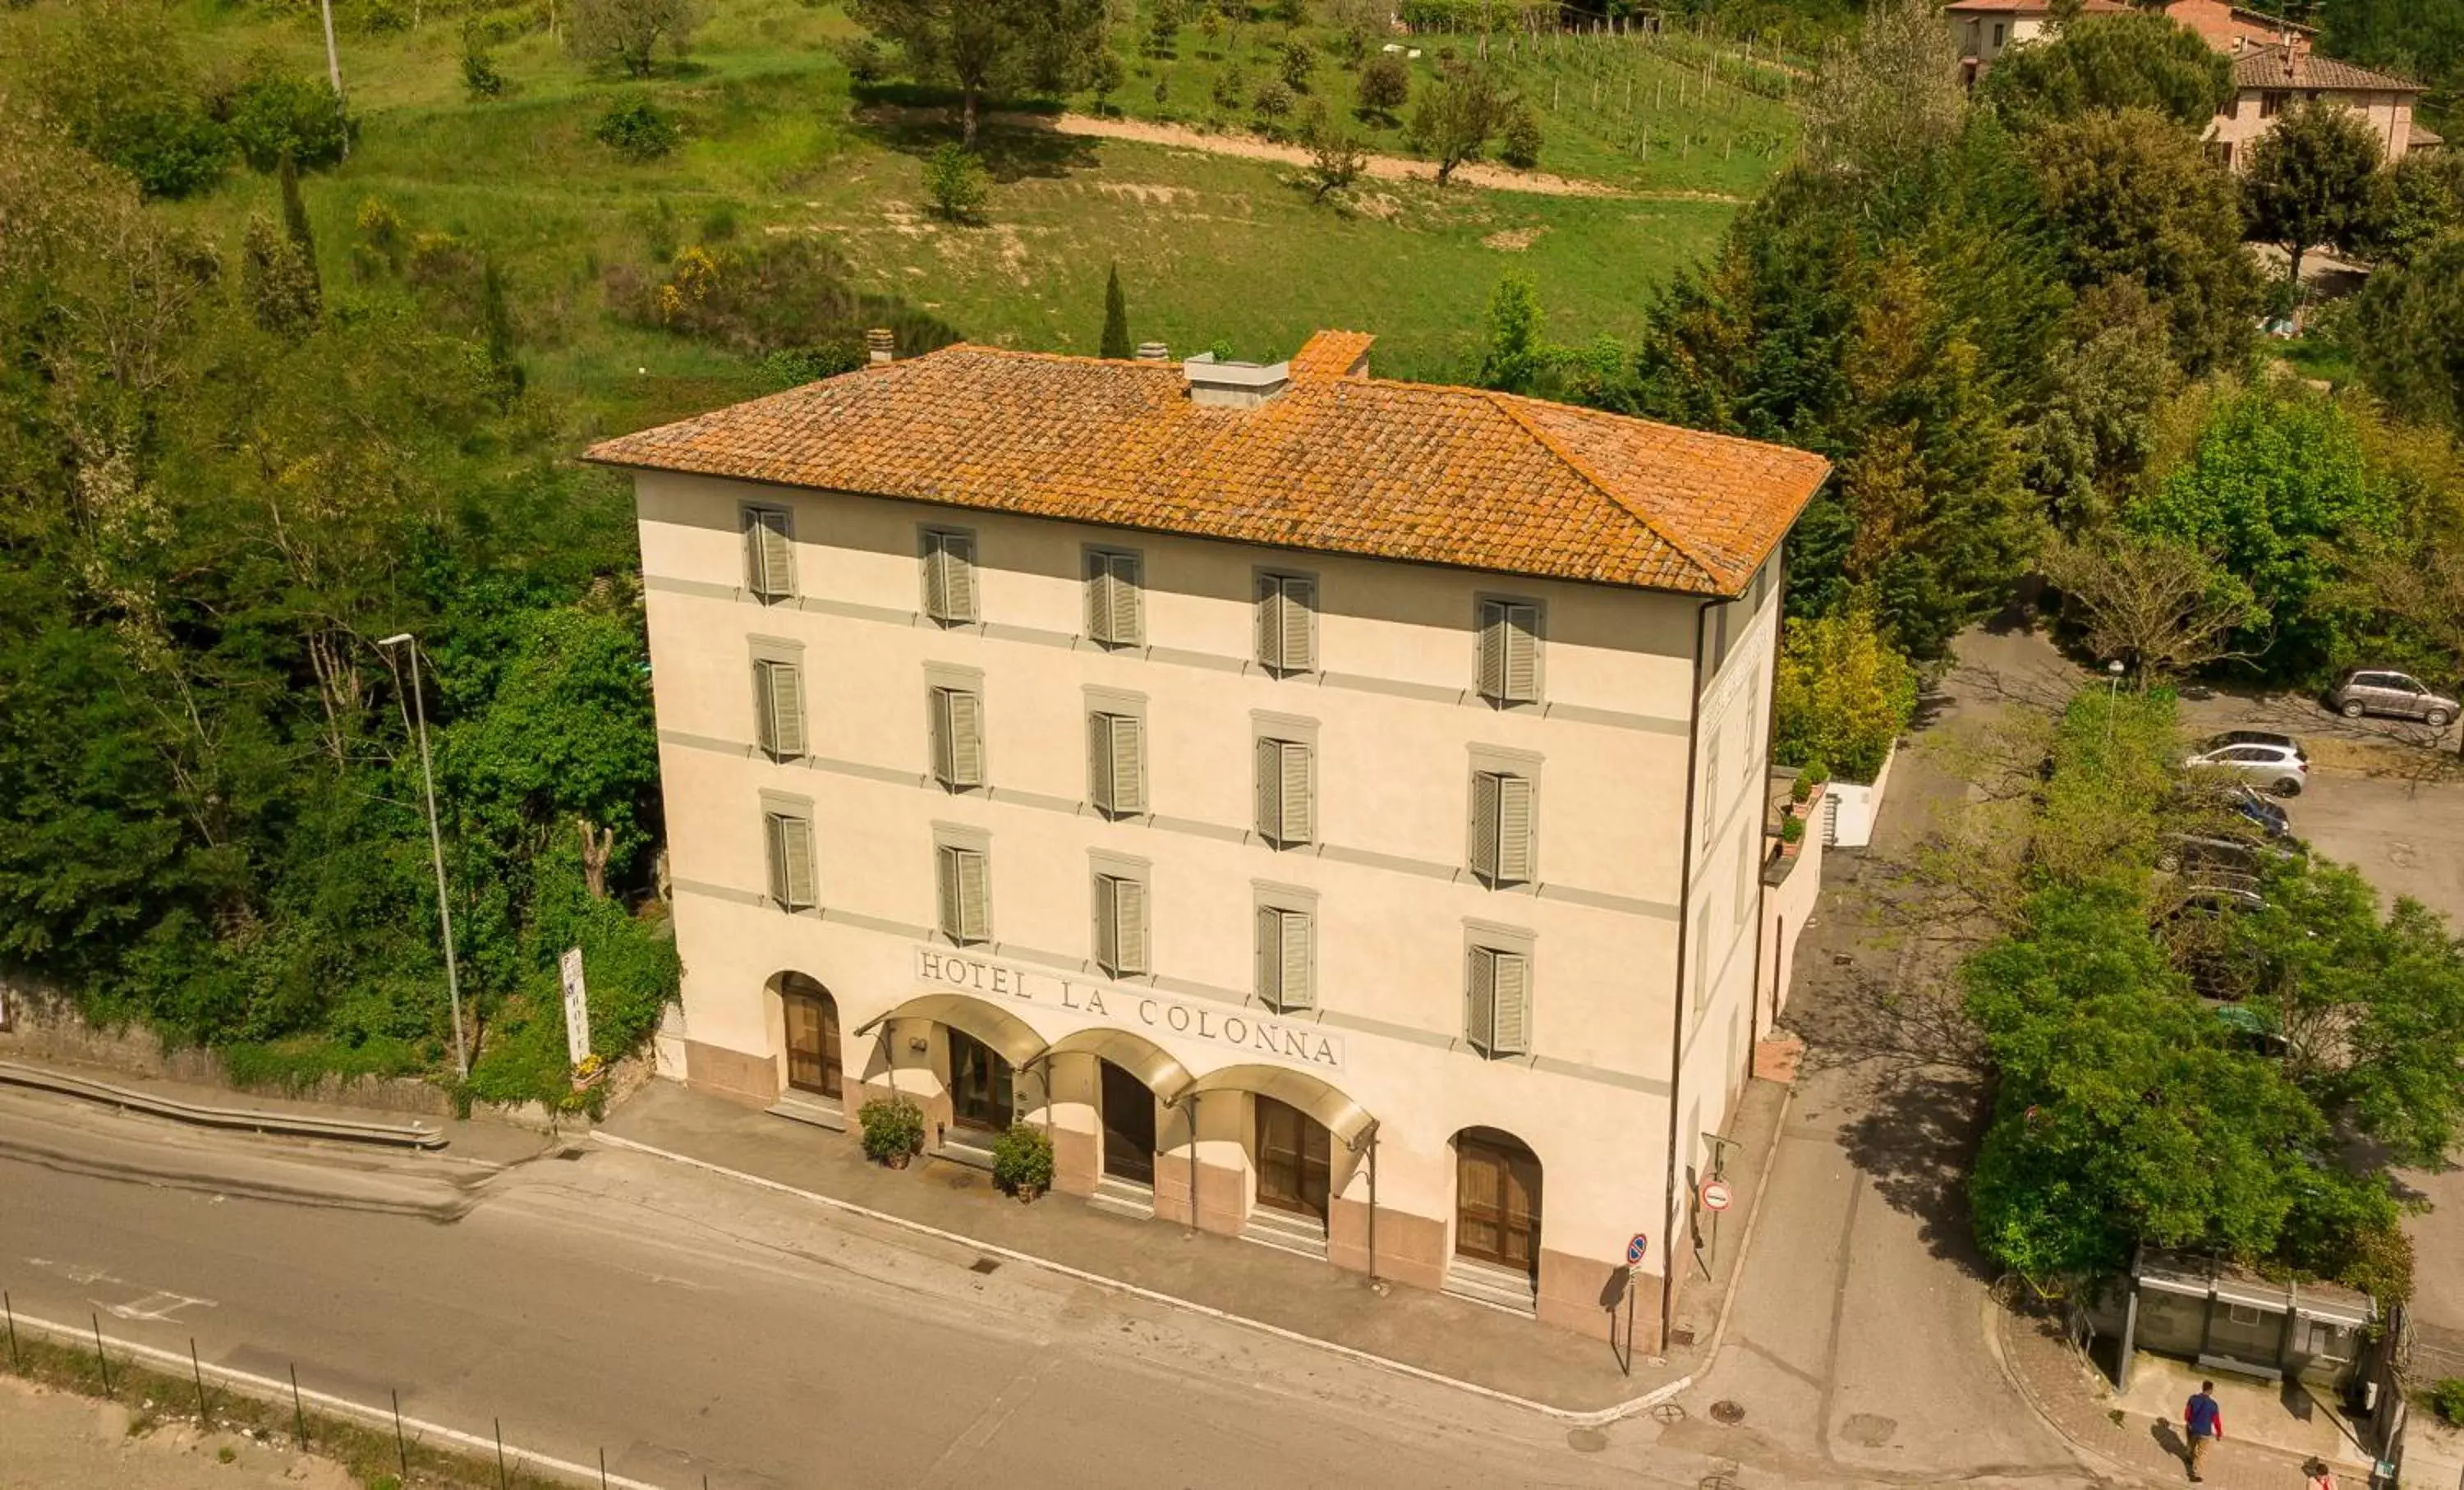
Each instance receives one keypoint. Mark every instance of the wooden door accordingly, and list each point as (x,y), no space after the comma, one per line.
(813,1061)
(1294,1159)
(1497,1202)
(1129,1126)
(979,1085)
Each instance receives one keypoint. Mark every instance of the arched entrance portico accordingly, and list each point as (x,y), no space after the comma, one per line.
(965,1076)
(1108,1085)
(1304,1141)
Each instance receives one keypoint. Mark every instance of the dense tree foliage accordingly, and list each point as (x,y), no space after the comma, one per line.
(223,484)
(2107,63)
(989,48)
(2313,180)
(2408,334)
(1842,697)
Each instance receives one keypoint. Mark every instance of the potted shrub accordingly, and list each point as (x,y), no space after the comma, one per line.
(1022,1161)
(894,1129)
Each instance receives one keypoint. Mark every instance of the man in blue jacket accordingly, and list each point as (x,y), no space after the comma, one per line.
(2205,1423)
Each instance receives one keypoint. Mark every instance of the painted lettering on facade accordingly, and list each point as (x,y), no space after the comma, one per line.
(1131,1008)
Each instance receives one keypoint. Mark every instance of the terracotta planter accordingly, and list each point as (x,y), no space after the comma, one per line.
(1027,1193)
(899,1160)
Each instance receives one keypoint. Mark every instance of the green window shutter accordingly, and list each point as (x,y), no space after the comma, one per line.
(782,709)
(1480,1001)
(774,842)
(944,767)
(1515,830)
(1120,763)
(1512,1029)
(765,709)
(974,896)
(1129,910)
(1492,649)
(1271,956)
(1114,614)
(1522,645)
(1485,795)
(945,873)
(1270,621)
(791,872)
(966,737)
(1296,599)
(1270,790)
(950,577)
(1296,775)
(1099,761)
(770,562)
(1298,980)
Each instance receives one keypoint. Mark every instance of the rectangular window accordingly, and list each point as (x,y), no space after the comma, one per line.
(2270,104)
(1286,791)
(1120,924)
(1286,958)
(964,875)
(769,556)
(1503,828)
(1998,30)
(1748,872)
(789,841)
(1286,623)
(949,575)
(779,707)
(1116,763)
(1497,1017)
(1706,805)
(958,737)
(1115,610)
(1509,652)
(1700,955)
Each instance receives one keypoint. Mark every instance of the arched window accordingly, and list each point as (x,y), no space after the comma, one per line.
(813,1061)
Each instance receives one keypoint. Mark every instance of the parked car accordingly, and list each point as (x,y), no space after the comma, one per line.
(2383,691)
(2273,763)
(2200,852)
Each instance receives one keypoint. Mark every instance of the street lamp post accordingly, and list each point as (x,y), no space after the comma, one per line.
(436,850)
(2112,698)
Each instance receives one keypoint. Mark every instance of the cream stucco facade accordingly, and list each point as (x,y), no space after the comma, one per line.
(1638,918)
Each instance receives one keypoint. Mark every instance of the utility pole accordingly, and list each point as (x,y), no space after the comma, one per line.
(334,67)
(435,848)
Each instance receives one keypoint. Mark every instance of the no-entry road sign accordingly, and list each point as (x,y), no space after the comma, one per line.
(1635,1250)
(1715,1195)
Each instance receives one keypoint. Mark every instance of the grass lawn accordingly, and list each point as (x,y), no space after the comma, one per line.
(775,142)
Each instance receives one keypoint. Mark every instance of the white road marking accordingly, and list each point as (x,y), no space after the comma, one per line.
(153,1306)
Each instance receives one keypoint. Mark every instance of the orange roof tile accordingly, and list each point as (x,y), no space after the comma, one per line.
(1338,464)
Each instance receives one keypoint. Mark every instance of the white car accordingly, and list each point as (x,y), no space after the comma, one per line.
(2271,762)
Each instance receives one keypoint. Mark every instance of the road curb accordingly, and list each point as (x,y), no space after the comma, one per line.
(265,1388)
(1599,1418)
(251,1120)
(1754,1226)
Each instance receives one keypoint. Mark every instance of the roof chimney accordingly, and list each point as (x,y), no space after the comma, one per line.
(1154,352)
(1220,384)
(2296,65)
(880,346)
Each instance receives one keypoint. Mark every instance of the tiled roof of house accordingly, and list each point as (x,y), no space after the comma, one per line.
(2423,140)
(2028,6)
(1338,462)
(2273,67)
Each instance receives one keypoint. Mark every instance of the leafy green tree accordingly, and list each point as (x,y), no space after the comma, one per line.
(954,180)
(126,92)
(630,33)
(1520,146)
(2156,604)
(2092,427)
(2277,485)
(2111,62)
(1456,117)
(2420,199)
(1385,85)
(1115,340)
(991,47)
(297,228)
(279,280)
(2134,197)
(1335,157)
(1842,696)
(1518,354)
(275,116)
(2408,334)
(2311,180)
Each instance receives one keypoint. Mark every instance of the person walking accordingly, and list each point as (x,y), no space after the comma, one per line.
(2205,1421)
(2319,1476)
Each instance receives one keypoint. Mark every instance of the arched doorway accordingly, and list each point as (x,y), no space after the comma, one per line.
(814,1064)
(1294,1158)
(1497,1200)
(982,1082)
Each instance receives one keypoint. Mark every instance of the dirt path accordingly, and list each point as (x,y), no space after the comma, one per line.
(55,1440)
(1385,168)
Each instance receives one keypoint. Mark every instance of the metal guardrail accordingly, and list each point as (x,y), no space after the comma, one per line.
(249,1120)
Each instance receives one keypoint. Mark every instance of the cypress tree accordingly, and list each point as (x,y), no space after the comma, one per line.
(1116,316)
(294,227)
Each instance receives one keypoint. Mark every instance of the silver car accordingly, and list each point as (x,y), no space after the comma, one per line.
(2383,691)
(2271,762)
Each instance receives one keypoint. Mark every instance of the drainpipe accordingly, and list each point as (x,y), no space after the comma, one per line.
(1373,1202)
(1779,602)
(1192,1099)
(1677,1020)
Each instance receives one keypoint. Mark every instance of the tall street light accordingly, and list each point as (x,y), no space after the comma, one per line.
(435,847)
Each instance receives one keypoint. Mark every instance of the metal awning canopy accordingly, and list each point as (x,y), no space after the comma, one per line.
(1003,1033)
(1142,1058)
(1336,1112)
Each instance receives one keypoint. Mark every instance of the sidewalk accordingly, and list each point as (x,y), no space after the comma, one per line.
(1422,1333)
(2270,1431)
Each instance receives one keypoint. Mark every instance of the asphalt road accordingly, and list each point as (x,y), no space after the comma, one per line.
(693,1326)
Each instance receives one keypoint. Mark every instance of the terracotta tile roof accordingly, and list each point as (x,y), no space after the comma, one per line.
(2423,140)
(2272,67)
(2026,7)
(1338,464)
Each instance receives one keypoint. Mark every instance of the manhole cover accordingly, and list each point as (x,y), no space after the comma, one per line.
(984,1265)
(1869,1430)
(1587,1440)
(1717,1479)
(1670,1411)
(1725,1411)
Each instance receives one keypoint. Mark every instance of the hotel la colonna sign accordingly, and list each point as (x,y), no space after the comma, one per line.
(1139,1009)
